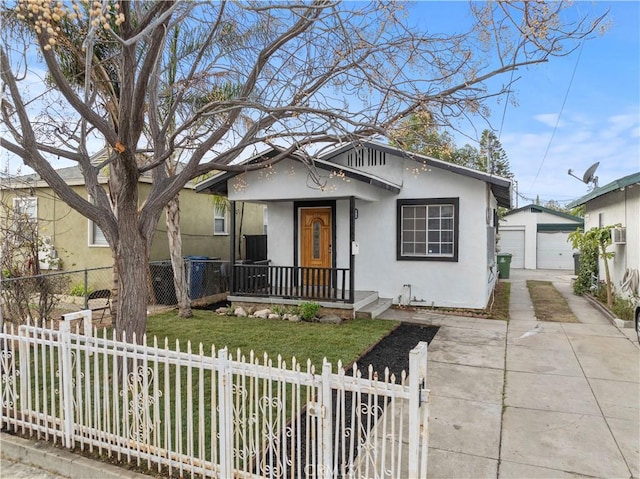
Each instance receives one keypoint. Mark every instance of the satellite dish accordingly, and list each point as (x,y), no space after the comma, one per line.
(588,176)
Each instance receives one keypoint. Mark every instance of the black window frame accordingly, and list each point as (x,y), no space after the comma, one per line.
(455,202)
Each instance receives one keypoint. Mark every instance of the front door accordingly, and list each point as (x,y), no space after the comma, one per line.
(315,243)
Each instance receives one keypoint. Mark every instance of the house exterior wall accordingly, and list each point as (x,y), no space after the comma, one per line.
(256,186)
(618,207)
(466,283)
(69,231)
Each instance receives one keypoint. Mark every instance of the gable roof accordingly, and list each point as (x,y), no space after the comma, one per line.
(501,187)
(542,209)
(632,179)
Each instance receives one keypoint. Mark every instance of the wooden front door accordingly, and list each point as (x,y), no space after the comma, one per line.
(315,240)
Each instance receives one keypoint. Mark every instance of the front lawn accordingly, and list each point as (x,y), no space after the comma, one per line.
(346,341)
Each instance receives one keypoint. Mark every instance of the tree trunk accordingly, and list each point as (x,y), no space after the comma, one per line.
(132,264)
(175,251)
(607,275)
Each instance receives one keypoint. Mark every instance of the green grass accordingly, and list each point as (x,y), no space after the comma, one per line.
(500,307)
(346,341)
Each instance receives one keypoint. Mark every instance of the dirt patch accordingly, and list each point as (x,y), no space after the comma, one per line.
(548,303)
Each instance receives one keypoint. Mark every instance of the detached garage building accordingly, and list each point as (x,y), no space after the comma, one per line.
(537,237)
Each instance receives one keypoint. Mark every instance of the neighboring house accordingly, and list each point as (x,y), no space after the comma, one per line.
(617,203)
(537,237)
(79,243)
(369,221)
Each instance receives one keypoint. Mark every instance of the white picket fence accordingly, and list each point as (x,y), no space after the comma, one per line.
(208,414)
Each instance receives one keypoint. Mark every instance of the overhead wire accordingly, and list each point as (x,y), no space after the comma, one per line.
(564,102)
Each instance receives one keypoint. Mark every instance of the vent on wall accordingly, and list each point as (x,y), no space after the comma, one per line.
(619,235)
(366,157)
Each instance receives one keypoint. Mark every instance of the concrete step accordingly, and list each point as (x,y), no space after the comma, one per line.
(374,308)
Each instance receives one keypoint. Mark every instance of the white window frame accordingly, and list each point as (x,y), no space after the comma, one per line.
(224,216)
(91,234)
(23,205)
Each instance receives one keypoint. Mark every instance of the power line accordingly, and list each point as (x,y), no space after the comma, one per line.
(553,133)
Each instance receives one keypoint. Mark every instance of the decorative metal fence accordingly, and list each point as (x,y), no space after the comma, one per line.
(212,414)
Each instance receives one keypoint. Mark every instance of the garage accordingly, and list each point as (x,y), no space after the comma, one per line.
(553,250)
(512,241)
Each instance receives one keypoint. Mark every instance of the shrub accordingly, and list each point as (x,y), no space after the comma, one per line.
(308,311)
(78,290)
(623,308)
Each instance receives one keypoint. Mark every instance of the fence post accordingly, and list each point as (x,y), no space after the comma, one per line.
(326,469)
(225,419)
(86,289)
(417,381)
(66,371)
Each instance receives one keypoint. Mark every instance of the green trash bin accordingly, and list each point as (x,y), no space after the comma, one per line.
(504,265)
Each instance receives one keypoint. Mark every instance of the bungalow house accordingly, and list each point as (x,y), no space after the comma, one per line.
(537,237)
(78,243)
(618,203)
(367,225)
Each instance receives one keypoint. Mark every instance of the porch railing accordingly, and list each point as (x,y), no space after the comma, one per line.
(292,282)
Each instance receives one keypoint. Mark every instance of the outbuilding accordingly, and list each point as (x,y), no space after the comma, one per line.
(538,237)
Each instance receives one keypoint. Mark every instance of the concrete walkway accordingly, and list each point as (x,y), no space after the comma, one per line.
(531,399)
(524,399)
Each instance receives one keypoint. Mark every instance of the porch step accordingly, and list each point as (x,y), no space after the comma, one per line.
(374,308)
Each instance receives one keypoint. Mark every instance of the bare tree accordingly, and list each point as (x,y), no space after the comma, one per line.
(312,73)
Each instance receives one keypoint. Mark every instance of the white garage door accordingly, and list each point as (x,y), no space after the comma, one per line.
(553,251)
(512,241)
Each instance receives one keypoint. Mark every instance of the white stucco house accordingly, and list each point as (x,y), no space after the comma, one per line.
(367,223)
(537,237)
(618,203)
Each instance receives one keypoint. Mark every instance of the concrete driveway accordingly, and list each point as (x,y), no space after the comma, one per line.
(531,399)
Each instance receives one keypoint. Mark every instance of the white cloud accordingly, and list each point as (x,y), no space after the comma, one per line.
(612,141)
(549,119)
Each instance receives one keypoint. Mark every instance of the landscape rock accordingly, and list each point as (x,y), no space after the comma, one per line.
(263,313)
(331,319)
(240,312)
(274,316)
(294,318)
(221,311)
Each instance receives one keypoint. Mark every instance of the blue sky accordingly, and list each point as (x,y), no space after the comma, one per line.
(600,121)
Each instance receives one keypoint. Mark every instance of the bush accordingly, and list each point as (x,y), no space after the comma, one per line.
(78,290)
(308,311)
(623,308)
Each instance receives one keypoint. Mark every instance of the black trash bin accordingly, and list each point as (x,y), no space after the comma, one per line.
(164,289)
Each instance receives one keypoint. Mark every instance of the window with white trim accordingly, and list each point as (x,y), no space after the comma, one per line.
(427,229)
(220,222)
(96,236)
(26,208)
(25,220)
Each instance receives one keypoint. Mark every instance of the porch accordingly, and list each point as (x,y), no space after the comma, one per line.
(290,285)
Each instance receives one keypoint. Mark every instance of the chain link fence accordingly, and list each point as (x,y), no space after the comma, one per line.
(205,278)
(37,298)
(47,296)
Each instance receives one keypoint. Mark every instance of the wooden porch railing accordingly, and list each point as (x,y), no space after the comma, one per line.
(292,282)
